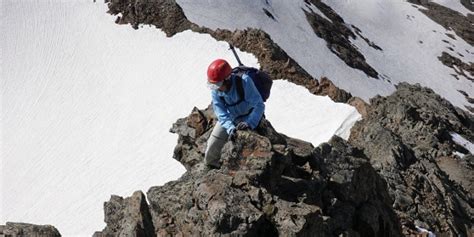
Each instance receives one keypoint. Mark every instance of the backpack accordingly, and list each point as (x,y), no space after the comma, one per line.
(261,79)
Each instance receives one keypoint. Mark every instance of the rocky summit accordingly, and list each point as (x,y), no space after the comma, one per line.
(268,185)
(399,173)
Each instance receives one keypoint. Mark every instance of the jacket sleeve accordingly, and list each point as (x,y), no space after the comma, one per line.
(222,113)
(253,97)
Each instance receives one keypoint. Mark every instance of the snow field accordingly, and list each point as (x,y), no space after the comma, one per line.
(411,44)
(87,106)
(396,26)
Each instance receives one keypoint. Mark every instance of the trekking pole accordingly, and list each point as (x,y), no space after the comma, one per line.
(235,54)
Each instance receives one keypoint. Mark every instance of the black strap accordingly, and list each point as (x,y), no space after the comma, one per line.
(240,91)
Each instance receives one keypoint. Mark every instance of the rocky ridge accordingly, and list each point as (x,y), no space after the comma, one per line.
(407,137)
(404,137)
(400,169)
(268,185)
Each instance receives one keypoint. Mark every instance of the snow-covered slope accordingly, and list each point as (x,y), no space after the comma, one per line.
(87,105)
(411,42)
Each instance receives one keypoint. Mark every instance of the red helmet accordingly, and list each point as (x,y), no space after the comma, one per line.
(218,71)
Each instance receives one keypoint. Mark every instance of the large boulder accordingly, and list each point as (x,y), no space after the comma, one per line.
(127,217)
(12,229)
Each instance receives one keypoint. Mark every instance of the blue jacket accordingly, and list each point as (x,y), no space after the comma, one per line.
(250,110)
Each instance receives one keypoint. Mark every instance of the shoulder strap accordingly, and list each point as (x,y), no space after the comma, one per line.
(240,91)
(240,88)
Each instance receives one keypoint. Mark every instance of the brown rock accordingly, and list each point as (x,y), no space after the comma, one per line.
(127,217)
(11,229)
(360,105)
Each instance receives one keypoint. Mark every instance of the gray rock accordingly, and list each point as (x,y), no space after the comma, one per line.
(11,229)
(127,217)
(406,138)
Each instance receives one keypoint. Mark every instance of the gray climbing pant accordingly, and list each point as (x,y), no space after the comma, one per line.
(214,145)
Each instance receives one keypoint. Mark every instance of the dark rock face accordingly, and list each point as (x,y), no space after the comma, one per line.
(458,65)
(23,229)
(168,16)
(468,4)
(337,35)
(407,138)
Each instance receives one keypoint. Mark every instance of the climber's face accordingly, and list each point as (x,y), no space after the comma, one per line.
(226,85)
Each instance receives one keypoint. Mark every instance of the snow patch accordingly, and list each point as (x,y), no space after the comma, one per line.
(425,231)
(460,140)
(459,154)
(292,110)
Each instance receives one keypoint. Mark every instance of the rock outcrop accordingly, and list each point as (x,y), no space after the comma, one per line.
(268,185)
(11,229)
(400,172)
(407,138)
(127,217)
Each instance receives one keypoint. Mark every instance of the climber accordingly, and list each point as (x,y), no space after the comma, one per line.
(233,112)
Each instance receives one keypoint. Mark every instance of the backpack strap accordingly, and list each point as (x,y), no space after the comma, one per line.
(240,88)
(240,91)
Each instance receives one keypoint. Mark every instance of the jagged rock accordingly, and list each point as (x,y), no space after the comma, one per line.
(12,229)
(399,164)
(164,14)
(326,87)
(268,185)
(271,184)
(127,217)
(360,105)
(460,67)
(407,138)
(337,35)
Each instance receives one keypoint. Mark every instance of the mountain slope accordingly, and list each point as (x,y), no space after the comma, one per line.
(87,106)
(363,48)
(387,180)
